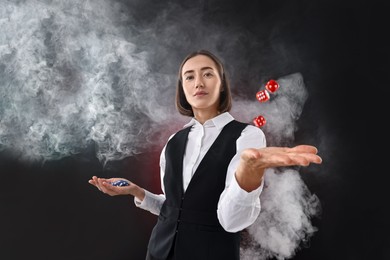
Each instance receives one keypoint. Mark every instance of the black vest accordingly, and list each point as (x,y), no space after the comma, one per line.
(188,221)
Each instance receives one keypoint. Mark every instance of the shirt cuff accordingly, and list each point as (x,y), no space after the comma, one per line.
(143,204)
(243,197)
(151,202)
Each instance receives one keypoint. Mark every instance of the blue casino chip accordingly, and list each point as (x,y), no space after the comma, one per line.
(120,183)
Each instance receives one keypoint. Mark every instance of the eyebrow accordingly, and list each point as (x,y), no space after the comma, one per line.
(203,68)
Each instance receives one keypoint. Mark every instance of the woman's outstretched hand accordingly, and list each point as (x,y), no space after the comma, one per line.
(253,162)
(105,186)
(268,157)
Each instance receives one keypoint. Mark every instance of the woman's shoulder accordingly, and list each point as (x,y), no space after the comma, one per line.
(252,130)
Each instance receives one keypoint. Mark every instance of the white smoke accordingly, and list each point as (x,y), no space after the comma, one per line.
(285,219)
(69,76)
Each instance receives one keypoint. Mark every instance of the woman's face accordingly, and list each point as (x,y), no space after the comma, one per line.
(201,83)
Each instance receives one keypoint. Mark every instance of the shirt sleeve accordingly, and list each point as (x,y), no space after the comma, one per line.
(237,208)
(152,202)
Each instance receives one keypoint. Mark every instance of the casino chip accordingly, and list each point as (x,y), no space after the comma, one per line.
(120,183)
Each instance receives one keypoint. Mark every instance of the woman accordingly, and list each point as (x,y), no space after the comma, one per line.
(211,170)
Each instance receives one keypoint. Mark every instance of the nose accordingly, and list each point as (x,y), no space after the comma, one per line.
(199,82)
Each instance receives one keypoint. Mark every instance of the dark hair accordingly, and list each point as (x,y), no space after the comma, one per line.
(225,100)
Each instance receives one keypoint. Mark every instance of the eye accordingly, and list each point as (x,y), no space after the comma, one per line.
(208,74)
(188,77)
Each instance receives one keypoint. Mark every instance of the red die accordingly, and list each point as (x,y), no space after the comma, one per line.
(259,121)
(272,86)
(262,95)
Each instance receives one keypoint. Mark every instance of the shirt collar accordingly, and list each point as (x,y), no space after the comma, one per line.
(219,121)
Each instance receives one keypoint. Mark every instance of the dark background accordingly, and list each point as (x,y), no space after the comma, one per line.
(49,211)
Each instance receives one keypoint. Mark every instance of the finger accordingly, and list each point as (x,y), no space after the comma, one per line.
(314,158)
(304,149)
(250,154)
(100,183)
(311,158)
(108,188)
(105,185)
(94,182)
(304,159)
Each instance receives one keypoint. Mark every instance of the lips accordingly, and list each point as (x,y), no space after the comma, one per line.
(200,93)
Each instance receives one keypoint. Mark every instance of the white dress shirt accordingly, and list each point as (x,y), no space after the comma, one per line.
(237,208)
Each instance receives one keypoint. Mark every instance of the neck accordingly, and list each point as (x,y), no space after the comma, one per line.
(203,116)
